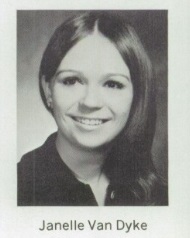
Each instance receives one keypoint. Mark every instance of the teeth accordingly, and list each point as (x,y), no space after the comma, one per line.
(91,122)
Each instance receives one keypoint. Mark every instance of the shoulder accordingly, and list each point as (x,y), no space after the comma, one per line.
(31,168)
(30,159)
(162,195)
(159,196)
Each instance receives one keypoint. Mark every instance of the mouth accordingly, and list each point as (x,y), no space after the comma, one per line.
(89,121)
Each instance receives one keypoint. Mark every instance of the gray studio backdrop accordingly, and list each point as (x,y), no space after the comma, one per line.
(34,29)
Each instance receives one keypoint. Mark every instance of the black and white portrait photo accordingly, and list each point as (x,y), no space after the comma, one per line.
(92,108)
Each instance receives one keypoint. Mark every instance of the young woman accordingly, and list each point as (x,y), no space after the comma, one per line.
(96,80)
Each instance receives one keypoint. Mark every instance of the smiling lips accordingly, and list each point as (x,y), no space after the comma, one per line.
(89,121)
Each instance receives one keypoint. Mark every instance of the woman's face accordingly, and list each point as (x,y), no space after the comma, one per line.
(91,93)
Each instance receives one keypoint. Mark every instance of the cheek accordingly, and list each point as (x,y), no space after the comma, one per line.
(121,104)
(64,99)
(122,113)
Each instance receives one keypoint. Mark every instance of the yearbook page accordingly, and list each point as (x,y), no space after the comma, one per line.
(95,118)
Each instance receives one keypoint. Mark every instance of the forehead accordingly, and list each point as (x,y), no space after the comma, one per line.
(94,53)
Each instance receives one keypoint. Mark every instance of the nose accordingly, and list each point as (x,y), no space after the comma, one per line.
(91,99)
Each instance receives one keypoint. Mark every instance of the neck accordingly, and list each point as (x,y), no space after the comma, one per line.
(86,164)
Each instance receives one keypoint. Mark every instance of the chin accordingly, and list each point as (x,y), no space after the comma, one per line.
(93,144)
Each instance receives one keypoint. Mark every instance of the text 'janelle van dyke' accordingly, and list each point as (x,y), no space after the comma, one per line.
(94,225)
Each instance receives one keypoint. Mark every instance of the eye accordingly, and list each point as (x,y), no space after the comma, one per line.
(69,81)
(113,84)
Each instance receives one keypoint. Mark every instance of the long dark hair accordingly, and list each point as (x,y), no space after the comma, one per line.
(129,162)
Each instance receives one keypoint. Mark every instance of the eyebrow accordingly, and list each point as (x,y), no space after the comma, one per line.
(120,75)
(106,75)
(67,71)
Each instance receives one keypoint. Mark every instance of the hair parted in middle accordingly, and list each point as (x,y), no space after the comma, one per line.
(133,146)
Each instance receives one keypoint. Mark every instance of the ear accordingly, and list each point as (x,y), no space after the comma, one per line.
(47,91)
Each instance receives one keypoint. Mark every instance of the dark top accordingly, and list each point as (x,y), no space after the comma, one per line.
(45,180)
